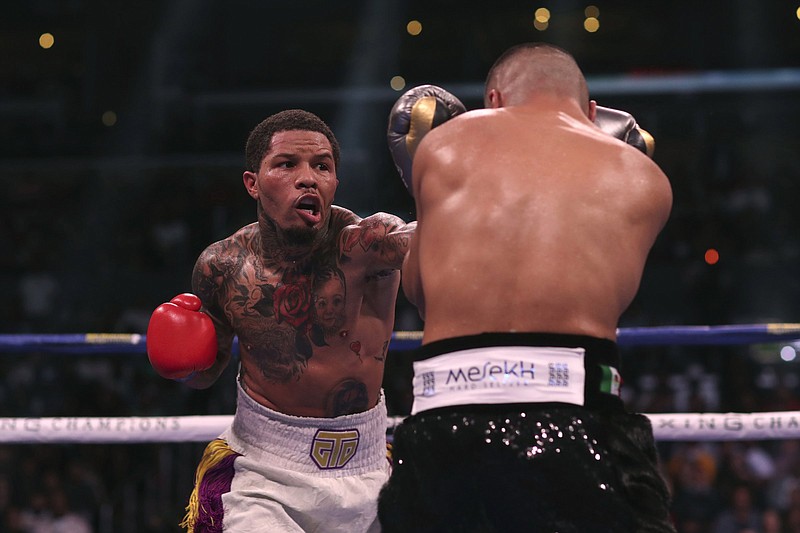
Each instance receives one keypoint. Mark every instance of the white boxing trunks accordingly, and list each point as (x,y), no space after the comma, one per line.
(274,472)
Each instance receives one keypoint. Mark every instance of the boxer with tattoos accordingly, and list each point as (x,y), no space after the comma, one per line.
(309,290)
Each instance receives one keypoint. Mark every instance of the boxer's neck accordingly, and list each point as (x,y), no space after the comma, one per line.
(288,249)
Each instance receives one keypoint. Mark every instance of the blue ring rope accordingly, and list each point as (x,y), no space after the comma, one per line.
(124,343)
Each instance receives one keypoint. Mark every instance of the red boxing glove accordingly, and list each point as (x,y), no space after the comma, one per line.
(180,338)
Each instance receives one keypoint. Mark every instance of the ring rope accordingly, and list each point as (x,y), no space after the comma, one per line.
(181,429)
(666,427)
(120,343)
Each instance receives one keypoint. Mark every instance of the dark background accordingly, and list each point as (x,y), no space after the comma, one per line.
(117,214)
(101,222)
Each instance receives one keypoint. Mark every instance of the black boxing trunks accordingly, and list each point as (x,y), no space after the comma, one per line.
(505,436)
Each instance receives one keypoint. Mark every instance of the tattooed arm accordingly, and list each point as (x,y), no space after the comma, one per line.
(382,238)
(399,241)
(207,280)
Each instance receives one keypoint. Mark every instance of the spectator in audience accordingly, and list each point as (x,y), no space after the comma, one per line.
(740,513)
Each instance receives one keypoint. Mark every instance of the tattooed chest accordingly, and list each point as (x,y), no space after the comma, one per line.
(280,321)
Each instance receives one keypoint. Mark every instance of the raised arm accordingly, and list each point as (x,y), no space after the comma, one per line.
(383,239)
(208,283)
(188,338)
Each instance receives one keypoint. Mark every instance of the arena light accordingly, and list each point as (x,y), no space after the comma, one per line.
(592,22)
(397,83)
(711,256)
(109,118)
(542,15)
(46,40)
(788,353)
(414,27)
(541,18)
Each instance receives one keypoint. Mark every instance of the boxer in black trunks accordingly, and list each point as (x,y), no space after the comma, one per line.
(533,229)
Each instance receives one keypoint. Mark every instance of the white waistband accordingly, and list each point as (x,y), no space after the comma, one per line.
(500,374)
(350,443)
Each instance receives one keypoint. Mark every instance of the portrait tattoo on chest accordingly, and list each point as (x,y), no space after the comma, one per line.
(285,320)
(282,311)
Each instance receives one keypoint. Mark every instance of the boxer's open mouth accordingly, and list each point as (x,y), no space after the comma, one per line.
(309,207)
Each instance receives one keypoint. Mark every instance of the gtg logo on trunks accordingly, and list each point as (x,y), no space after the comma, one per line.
(332,449)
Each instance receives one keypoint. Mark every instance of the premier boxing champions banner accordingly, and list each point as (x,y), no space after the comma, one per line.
(666,427)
